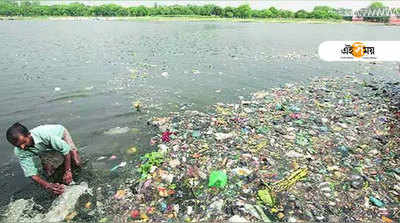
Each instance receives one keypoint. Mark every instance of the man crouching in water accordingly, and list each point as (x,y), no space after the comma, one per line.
(52,144)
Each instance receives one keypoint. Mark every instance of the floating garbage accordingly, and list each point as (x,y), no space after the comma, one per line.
(117,130)
(237,219)
(267,197)
(166,136)
(131,150)
(101,158)
(386,219)
(326,151)
(164,74)
(103,220)
(376,201)
(174,163)
(223,136)
(196,134)
(240,171)
(195,71)
(290,180)
(88,205)
(137,105)
(120,194)
(217,179)
(122,164)
(135,214)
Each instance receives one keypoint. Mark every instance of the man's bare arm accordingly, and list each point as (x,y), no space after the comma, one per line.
(55,188)
(67,162)
(40,181)
(68,173)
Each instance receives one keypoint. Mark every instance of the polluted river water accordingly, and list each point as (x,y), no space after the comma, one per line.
(88,75)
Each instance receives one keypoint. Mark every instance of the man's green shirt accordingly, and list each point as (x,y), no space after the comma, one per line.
(46,138)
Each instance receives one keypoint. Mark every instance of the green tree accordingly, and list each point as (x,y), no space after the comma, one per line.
(217,11)
(274,11)
(195,9)
(302,14)
(142,11)
(151,12)
(228,12)
(243,11)
(206,10)
(180,10)
(8,8)
(324,12)
(285,14)
(256,13)
(376,5)
(76,9)
(33,8)
(266,13)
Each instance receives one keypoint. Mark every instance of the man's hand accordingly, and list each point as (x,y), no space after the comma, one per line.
(55,188)
(67,163)
(67,177)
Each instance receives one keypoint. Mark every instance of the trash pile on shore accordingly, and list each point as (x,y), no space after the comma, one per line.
(326,151)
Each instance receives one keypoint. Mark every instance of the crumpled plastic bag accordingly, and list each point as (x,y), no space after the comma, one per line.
(267,197)
(217,179)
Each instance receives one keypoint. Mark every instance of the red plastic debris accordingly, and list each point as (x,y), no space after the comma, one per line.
(165,136)
(295,115)
(135,213)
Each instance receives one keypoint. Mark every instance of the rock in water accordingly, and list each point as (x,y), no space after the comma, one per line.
(16,209)
(65,203)
(60,208)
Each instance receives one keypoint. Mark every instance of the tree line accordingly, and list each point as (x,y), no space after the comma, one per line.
(27,8)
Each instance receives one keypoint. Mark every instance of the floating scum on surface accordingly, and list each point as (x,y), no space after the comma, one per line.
(325,151)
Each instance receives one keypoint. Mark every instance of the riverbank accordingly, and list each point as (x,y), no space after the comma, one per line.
(87,79)
(324,151)
(187,19)
(293,5)
(313,152)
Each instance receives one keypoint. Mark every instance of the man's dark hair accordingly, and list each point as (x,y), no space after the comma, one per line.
(14,131)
